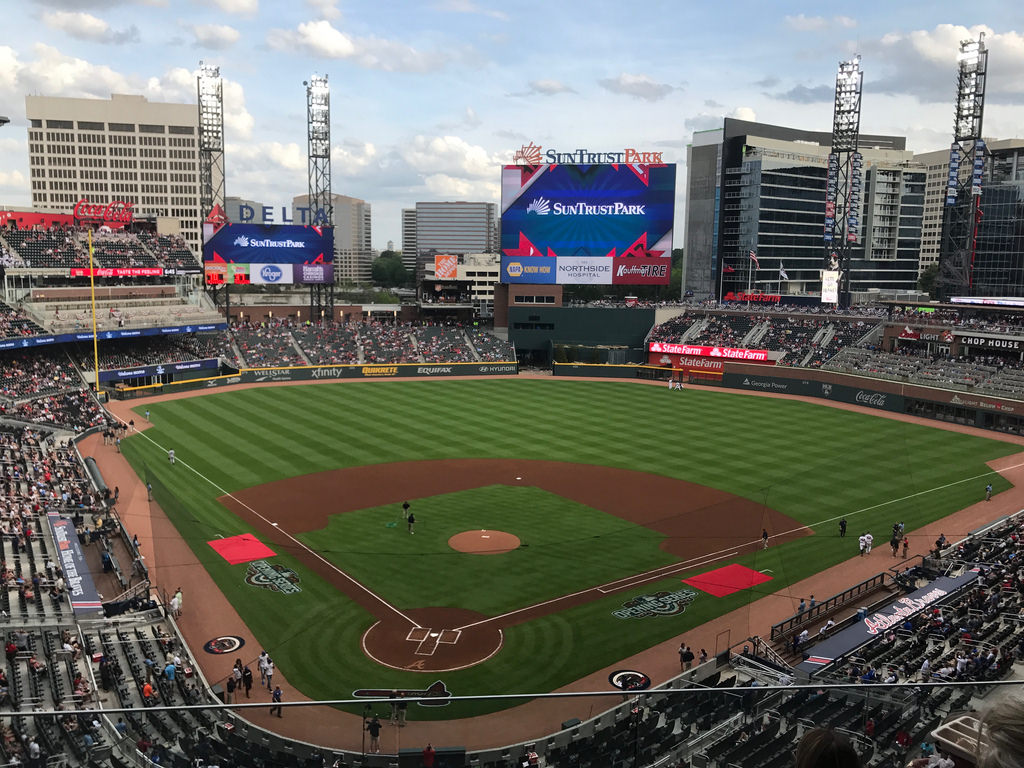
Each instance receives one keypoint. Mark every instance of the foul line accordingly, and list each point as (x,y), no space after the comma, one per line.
(693,562)
(277,527)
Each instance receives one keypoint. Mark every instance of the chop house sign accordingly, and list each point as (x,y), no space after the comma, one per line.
(116,212)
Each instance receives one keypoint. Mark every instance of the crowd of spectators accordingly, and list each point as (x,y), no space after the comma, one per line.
(489,347)
(329,343)
(442,344)
(36,373)
(155,350)
(14,323)
(67,247)
(387,343)
(266,344)
(76,410)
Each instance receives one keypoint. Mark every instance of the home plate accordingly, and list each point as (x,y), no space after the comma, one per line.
(435,634)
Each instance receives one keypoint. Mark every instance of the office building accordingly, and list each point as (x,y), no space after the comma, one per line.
(455,228)
(998,258)
(761,188)
(353,229)
(126,148)
(233,209)
(409,240)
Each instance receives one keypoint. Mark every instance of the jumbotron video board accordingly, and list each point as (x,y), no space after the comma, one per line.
(261,254)
(598,224)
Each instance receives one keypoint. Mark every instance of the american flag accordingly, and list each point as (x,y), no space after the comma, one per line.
(753,258)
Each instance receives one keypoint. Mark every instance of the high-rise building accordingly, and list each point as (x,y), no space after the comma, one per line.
(409,240)
(126,148)
(353,229)
(457,228)
(761,188)
(936,166)
(233,209)
(998,258)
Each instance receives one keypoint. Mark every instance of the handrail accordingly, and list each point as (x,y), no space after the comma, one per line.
(827,606)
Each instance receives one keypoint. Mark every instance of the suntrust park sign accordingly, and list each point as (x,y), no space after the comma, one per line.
(727,353)
(534,154)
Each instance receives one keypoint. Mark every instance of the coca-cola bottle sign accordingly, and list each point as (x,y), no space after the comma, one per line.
(116,212)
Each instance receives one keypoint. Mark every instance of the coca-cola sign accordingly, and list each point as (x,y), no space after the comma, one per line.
(116,212)
(726,353)
(874,399)
(117,272)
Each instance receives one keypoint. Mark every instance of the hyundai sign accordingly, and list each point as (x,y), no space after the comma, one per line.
(272,254)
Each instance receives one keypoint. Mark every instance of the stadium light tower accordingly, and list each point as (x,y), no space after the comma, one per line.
(4,120)
(318,130)
(210,91)
(966,167)
(843,185)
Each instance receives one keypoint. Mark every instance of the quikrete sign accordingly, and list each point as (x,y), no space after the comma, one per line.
(987,342)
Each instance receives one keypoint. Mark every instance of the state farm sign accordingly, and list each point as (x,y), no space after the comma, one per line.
(117,212)
(726,353)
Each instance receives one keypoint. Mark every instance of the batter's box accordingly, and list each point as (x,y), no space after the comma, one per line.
(418,634)
(449,636)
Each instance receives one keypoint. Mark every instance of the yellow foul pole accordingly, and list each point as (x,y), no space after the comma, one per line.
(95,338)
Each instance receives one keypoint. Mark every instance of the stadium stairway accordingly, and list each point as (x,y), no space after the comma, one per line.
(470,347)
(299,349)
(694,330)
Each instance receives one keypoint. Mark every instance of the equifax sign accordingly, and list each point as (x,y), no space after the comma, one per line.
(726,353)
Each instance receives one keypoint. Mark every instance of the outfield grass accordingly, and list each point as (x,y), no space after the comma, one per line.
(808,461)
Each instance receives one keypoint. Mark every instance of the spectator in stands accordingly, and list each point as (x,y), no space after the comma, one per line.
(825,748)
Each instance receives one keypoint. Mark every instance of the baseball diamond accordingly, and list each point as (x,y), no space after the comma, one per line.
(617,494)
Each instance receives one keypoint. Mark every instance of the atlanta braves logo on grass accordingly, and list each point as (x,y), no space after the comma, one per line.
(658,604)
(275,577)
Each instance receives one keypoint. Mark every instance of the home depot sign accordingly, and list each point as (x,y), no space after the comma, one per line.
(446,267)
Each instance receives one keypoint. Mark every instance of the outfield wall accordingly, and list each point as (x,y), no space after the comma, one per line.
(957,406)
(326,373)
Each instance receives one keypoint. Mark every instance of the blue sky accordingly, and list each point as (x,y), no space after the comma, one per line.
(429,98)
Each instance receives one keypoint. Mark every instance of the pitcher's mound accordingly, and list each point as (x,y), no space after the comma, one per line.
(484,542)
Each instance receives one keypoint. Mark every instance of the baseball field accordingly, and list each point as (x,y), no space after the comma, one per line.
(550,516)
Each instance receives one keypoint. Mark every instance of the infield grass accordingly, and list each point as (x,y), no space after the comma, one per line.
(808,461)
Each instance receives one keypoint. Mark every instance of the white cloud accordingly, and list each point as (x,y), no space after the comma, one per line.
(8,69)
(923,63)
(241,7)
(215,36)
(85,26)
(549,87)
(450,155)
(469,6)
(845,21)
(638,86)
(325,9)
(705,121)
(803,23)
(13,182)
(446,187)
(56,74)
(351,157)
(321,38)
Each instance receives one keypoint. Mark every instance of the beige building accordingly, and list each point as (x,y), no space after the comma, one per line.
(353,230)
(125,148)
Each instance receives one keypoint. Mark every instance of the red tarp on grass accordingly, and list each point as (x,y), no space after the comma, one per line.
(724,581)
(241,549)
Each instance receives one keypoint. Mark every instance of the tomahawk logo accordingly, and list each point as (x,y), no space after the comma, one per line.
(242,241)
(826,390)
(540,206)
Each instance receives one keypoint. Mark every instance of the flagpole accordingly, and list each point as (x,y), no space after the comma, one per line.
(95,339)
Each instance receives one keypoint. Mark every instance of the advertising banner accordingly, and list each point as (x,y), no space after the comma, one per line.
(158,370)
(81,588)
(641,270)
(380,371)
(117,272)
(830,286)
(314,273)
(227,274)
(118,333)
(726,353)
(446,267)
(846,641)
(595,210)
(270,274)
(884,401)
(686,362)
(583,270)
(528,269)
(269,244)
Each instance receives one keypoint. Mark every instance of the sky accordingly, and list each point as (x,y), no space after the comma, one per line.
(430,97)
